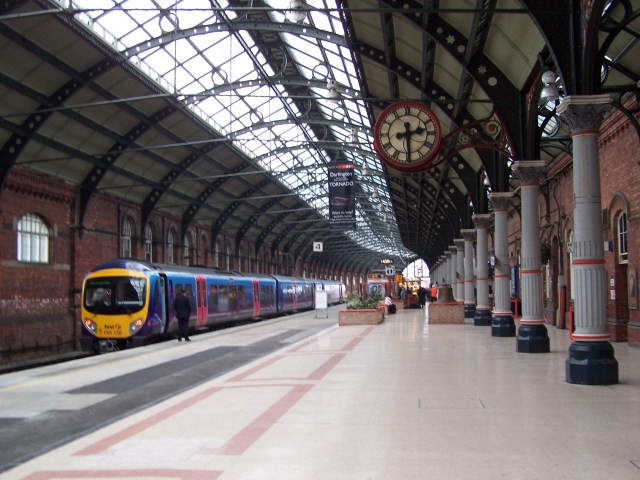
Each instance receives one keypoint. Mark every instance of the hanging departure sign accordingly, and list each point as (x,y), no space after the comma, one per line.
(342,204)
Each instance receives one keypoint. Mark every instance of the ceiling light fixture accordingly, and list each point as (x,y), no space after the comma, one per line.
(332,86)
(354,135)
(549,91)
(297,11)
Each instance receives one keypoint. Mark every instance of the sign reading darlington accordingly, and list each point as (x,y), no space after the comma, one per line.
(342,204)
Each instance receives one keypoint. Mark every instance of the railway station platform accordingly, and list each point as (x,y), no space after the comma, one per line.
(301,398)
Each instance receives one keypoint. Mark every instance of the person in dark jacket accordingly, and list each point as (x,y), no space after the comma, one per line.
(182,306)
(422,296)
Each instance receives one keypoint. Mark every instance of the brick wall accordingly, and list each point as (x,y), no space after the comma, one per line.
(39,303)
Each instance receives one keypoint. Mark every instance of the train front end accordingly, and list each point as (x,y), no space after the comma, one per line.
(114,309)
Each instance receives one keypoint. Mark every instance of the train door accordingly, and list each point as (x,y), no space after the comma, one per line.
(165,301)
(256,298)
(201,296)
(294,289)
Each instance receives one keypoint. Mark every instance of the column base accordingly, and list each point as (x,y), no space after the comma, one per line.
(469,310)
(482,318)
(591,363)
(503,325)
(533,339)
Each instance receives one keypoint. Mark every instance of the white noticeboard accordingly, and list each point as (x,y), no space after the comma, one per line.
(321,302)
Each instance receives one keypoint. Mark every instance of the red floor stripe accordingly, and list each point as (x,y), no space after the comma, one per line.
(255,369)
(136,428)
(252,432)
(326,367)
(150,473)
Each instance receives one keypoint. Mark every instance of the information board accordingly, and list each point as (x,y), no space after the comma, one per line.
(321,302)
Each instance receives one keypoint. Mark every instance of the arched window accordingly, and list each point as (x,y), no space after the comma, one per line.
(170,243)
(148,243)
(186,249)
(623,255)
(33,239)
(216,253)
(126,238)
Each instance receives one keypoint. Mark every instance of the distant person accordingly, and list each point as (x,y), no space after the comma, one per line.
(434,293)
(182,306)
(422,296)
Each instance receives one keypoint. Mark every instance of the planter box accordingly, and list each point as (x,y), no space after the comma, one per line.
(364,316)
(445,313)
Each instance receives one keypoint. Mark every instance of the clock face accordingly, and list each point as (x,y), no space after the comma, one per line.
(407,136)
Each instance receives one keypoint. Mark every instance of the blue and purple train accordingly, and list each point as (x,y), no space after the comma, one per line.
(128,302)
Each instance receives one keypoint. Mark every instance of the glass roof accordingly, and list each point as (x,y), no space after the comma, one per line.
(252,109)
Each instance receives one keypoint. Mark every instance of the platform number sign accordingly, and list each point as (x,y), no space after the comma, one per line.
(317,246)
(390,271)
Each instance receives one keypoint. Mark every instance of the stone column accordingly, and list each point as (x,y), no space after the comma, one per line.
(469,300)
(591,357)
(532,334)
(460,268)
(453,271)
(502,324)
(447,268)
(482,316)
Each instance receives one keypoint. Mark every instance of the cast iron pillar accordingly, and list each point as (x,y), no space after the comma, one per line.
(460,269)
(453,271)
(443,269)
(482,317)
(448,279)
(469,300)
(591,357)
(502,324)
(532,334)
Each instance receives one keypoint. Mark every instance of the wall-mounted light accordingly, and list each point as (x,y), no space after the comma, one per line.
(297,11)
(549,91)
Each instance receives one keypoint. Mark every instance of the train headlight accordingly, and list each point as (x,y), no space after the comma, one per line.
(135,325)
(90,325)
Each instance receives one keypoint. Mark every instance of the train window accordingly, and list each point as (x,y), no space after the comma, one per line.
(178,288)
(97,295)
(241,295)
(223,292)
(213,293)
(233,295)
(188,290)
(130,291)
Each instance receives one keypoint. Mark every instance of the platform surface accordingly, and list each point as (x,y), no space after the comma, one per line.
(301,398)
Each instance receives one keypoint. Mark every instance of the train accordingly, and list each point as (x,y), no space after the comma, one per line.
(128,303)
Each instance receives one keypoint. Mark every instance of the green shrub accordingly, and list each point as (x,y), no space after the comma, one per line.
(356,301)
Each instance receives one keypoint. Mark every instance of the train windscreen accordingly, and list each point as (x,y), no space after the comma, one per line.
(115,295)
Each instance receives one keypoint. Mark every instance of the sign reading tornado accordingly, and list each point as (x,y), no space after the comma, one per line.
(342,203)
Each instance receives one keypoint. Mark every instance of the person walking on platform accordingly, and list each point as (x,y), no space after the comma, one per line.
(182,306)
(422,296)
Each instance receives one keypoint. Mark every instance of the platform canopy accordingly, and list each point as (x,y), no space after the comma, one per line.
(229,113)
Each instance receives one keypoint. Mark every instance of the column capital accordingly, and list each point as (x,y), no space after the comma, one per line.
(482,220)
(500,200)
(447,255)
(453,249)
(459,243)
(529,172)
(469,235)
(584,113)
